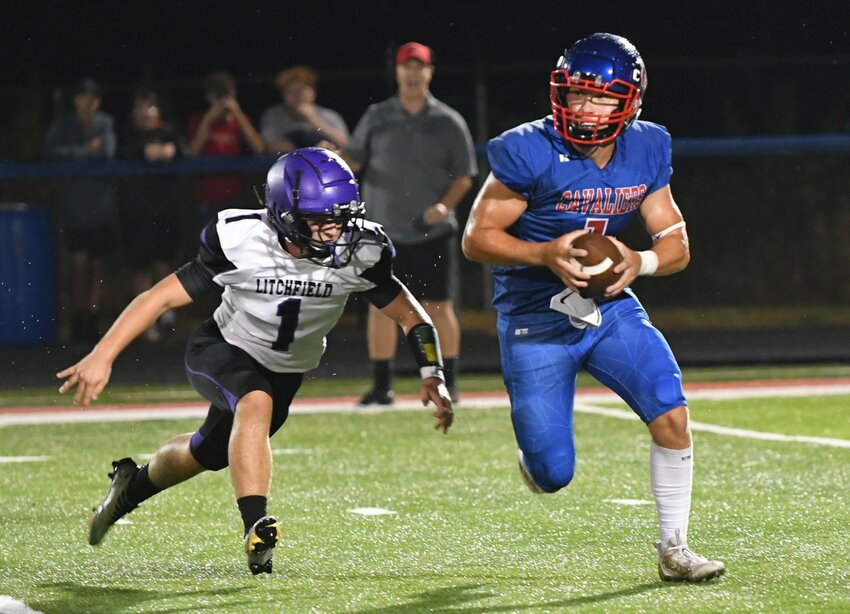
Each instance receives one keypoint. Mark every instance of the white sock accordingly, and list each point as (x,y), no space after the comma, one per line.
(671,476)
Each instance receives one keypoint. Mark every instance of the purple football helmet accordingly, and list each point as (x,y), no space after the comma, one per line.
(315,184)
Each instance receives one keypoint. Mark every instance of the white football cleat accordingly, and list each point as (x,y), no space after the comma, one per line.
(678,563)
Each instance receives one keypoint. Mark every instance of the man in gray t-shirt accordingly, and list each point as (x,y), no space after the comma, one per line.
(298,121)
(418,161)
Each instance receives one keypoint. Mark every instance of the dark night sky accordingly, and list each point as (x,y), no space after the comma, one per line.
(177,42)
(180,39)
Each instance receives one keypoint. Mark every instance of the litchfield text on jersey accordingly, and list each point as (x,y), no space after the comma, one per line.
(294,287)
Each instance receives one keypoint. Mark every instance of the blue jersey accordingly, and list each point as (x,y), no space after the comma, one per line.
(566,191)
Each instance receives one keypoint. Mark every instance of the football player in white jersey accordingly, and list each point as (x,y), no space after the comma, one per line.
(284,274)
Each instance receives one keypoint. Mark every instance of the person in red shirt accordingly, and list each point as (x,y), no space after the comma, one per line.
(222,130)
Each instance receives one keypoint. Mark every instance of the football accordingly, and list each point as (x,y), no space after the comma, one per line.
(602,257)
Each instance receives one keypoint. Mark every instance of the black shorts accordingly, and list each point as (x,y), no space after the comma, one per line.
(222,373)
(425,268)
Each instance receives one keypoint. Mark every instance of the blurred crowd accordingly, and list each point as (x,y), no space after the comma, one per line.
(139,220)
(136,223)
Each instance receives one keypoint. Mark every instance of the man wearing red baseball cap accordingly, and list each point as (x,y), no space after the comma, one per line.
(413,51)
(418,161)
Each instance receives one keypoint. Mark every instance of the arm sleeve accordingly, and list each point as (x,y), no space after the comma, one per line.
(197,279)
(387,286)
(199,276)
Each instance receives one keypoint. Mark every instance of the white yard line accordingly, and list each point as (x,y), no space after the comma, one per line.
(609,412)
(585,403)
(23,459)
(13,606)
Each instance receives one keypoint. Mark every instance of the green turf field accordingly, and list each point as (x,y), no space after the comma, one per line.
(466,535)
(317,387)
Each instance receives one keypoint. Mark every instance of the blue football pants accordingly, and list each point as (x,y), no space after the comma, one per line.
(541,356)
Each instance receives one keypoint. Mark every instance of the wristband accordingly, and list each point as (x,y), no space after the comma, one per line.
(648,262)
(425,346)
(432,371)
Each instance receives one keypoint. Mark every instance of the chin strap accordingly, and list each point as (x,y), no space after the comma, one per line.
(425,346)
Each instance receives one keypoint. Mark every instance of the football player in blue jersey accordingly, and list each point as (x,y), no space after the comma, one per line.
(591,166)
(284,275)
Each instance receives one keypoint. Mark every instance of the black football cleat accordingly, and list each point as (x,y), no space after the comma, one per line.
(259,542)
(377,397)
(115,504)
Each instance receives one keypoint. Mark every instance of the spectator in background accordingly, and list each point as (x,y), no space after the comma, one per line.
(149,221)
(87,204)
(222,130)
(298,121)
(418,163)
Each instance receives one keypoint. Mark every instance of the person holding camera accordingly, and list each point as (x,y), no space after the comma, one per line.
(222,130)
(297,121)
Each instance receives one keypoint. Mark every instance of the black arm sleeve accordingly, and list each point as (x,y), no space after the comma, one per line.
(197,279)
(197,276)
(387,286)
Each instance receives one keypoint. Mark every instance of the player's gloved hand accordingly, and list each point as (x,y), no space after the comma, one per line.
(629,267)
(434,391)
(557,256)
(90,376)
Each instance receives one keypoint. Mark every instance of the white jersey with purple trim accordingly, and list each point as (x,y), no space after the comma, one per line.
(279,308)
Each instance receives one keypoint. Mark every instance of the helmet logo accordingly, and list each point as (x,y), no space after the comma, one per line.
(636,75)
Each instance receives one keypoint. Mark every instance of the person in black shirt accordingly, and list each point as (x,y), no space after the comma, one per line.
(149,219)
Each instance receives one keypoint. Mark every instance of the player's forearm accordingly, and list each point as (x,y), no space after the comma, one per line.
(137,317)
(673,253)
(406,311)
(141,314)
(494,246)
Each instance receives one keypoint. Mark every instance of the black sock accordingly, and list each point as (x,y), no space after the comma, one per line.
(141,488)
(450,370)
(383,374)
(252,508)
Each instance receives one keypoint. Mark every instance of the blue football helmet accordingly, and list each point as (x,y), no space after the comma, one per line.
(600,65)
(315,184)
